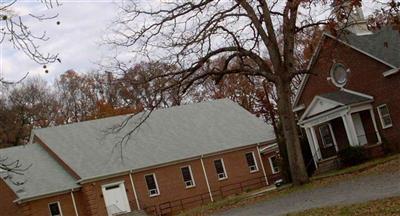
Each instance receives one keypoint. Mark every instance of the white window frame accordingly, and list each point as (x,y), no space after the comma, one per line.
(155,181)
(332,71)
(330,131)
(193,183)
(255,162)
(271,165)
(59,207)
(225,176)
(381,117)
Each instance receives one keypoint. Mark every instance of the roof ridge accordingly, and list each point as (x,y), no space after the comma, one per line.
(132,114)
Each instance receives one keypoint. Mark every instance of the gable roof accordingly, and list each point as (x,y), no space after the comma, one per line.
(383,45)
(168,135)
(333,100)
(345,97)
(44,176)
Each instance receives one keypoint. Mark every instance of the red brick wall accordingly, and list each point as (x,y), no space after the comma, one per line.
(171,185)
(365,77)
(40,207)
(36,207)
(268,170)
(93,196)
(236,168)
(90,199)
(7,196)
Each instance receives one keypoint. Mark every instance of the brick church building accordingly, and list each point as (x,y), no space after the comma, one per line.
(351,95)
(180,158)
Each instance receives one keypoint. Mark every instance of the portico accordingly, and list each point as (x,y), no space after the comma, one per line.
(337,120)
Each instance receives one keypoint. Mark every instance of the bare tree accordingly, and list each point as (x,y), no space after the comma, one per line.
(15,32)
(263,36)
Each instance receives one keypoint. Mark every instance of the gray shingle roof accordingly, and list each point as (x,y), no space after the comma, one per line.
(383,44)
(345,98)
(44,176)
(168,135)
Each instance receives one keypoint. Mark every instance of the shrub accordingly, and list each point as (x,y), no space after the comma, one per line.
(352,156)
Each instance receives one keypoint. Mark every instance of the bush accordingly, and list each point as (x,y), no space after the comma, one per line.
(352,156)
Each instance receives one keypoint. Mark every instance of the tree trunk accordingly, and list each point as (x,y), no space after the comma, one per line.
(284,162)
(289,128)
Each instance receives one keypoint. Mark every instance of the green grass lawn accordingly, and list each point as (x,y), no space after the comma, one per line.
(384,207)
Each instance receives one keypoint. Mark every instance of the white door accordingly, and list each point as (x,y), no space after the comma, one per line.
(115,198)
(362,138)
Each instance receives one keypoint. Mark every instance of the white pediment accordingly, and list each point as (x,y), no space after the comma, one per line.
(319,105)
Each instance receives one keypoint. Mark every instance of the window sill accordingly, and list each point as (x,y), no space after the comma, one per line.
(222,179)
(154,195)
(188,187)
(254,171)
(388,126)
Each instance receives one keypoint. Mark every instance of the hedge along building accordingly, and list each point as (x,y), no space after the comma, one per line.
(179,158)
(350,97)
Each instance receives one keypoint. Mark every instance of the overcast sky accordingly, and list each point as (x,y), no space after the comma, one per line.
(83,24)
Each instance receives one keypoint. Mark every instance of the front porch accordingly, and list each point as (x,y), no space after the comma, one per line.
(336,121)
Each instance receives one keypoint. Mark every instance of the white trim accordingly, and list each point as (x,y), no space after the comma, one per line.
(312,146)
(332,77)
(59,207)
(272,167)
(74,203)
(134,191)
(327,116)
(255,162)
(326,145)
(271,146)
(313,102)
(371,110)
(360,108)
(391,71)
(381,117)
(357,93)
(156,183)
(205,176)
(299,108)
(333,137)
(223,166)
(262,165)
(120,184)
(316,143)
(191,176)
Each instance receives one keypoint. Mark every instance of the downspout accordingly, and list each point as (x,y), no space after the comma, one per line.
(74,203)
(262,164)
(205,176)
(134,190)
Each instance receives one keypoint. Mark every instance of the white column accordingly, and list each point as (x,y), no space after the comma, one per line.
(262,165)
(375,126)
(348,131)
(312,146)
(315,141)
(350,122)
(134,191)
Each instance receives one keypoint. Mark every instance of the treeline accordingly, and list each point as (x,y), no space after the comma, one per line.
(75,97)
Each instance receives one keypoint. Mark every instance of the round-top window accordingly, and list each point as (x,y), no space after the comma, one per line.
(339,75)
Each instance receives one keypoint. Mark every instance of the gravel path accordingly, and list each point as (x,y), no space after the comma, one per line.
(359,189)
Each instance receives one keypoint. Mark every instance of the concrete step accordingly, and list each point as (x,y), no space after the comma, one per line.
(327,165)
